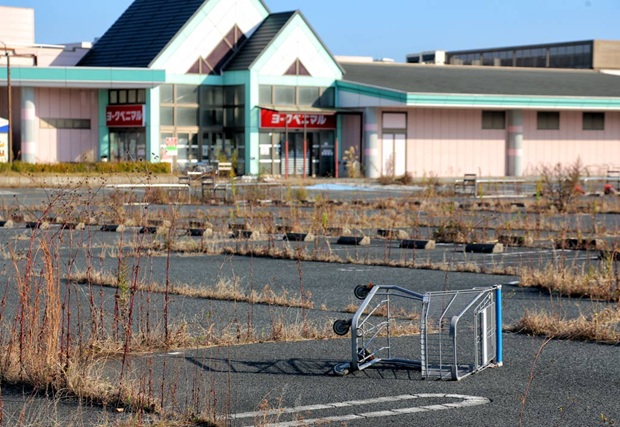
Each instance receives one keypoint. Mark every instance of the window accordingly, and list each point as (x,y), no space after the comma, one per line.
(186,116)
(166,116)
(309,96)
(127,96)
(548,120)
(212,96)
(187,94)
(328,97)
(493,120)
(284,95)
(166,94)
(265,95)
(65,123)
(593,121)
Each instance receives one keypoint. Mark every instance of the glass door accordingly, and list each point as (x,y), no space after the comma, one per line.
(394,154)
(127,145)
(270,150)
(187,149)
(297,163)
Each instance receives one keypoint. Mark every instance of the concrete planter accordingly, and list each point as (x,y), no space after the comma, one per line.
(112,228)
(485,248)
(299,237)
(417,244)
(353,240)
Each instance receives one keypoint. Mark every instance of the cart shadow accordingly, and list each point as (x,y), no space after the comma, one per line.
(299,367)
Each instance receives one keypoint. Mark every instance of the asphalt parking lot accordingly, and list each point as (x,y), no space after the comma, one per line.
(557,383)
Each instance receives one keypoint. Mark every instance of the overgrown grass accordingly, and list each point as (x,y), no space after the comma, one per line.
(223,290)
(48,343)
(602,283)
(603,326)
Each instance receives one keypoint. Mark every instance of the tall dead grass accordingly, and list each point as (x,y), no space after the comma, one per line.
(223,290)
(602,283)
(602,326)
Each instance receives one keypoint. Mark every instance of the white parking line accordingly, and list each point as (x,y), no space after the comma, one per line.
(464,401)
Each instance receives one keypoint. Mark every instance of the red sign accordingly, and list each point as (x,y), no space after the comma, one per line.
(274,119)
(124,116)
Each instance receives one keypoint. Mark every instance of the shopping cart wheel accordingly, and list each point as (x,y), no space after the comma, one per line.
(361,291)
(341,326)
(342,369)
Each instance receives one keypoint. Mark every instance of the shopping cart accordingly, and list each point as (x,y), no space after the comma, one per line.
(459,331)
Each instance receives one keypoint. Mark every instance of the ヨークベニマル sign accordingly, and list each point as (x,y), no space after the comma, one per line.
(275,119)
(124,116)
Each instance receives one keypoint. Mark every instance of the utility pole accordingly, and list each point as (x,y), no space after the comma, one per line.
(9,100)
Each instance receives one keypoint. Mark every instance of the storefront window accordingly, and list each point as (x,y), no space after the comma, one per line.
(166,116)
(213,117)
(166,94)
(284,95)
(309,96)
(265,95)
(187,94)
(186,116)
(212,96)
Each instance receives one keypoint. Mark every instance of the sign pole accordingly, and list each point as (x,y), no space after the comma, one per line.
(286,150)
(305,146)
(336,157)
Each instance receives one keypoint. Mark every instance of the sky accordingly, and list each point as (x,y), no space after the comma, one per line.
(380,29)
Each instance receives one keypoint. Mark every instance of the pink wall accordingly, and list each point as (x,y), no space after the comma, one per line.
(451,143)
(599,151)
(67,145)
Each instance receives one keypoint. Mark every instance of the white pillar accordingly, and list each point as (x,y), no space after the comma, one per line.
(29,140)
(514,143)
(371,155)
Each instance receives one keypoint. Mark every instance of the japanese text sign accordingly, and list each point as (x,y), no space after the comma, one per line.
(124,116)
(274,119)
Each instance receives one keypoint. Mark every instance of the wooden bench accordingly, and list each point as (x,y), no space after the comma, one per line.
(467,184)
(144,187)
(223,168)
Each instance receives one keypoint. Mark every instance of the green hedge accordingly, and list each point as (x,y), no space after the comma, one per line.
(59,168)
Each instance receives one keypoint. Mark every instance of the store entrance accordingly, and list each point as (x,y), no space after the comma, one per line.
(299,160)
(127,145)
(283,153)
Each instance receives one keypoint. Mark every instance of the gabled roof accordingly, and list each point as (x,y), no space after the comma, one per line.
(141,33)
(259,41)
(262,38)
(470,80)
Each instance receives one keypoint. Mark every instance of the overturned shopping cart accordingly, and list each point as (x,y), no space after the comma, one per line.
(459,331)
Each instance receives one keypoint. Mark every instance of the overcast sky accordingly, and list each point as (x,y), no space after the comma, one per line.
(381,29)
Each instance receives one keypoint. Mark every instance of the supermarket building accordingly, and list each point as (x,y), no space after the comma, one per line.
(204,80)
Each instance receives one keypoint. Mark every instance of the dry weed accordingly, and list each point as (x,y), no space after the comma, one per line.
(602,326)
(224,290)
(600,284)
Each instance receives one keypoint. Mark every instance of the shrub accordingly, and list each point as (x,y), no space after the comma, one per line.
(84,167)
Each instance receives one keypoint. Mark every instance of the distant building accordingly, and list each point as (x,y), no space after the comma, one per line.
(587,54)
